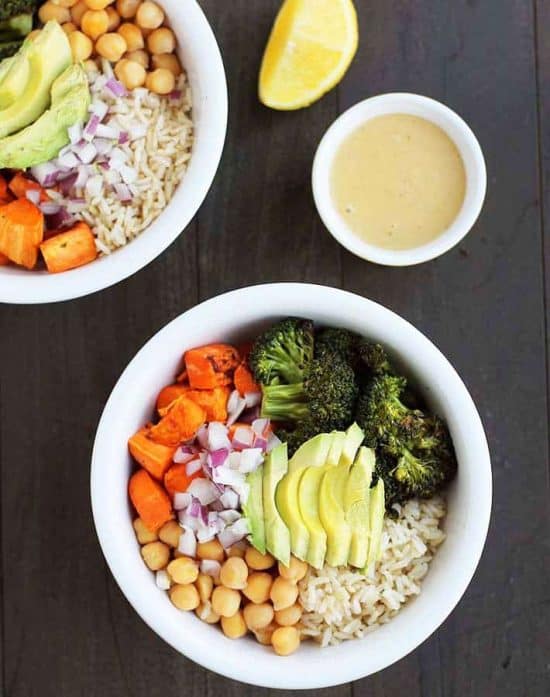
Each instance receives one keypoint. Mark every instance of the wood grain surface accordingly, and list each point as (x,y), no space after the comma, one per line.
(66,630)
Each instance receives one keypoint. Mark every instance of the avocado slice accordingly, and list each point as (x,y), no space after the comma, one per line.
(43,140)
(48,55)
(253,509)
(14,80)
(308,501)
(332,515)
(356,506)
(277,535)
(312,453)
(337,447)
(354,437)
(377,507)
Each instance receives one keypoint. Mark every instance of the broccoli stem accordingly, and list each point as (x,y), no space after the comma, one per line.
(285,402)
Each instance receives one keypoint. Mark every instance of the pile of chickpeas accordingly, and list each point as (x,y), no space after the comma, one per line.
(129,33)
(252,593)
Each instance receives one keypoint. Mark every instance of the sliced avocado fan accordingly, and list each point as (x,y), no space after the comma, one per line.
(253,509)
(277,534)
(357,506)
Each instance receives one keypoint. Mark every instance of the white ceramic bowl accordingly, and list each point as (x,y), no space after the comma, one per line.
(400,103)
(469,501)
(200,55)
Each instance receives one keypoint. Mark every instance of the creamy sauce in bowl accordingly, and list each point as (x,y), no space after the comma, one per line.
(398,181)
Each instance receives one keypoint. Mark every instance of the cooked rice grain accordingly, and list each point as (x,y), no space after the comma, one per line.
(160,160)
(342,603)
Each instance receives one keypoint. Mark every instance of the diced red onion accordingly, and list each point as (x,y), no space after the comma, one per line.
(106,131)
(227,476)
(252,399)
(99,108)
(66,185)
(103,146)
(128,174)
(234,533)
(218,457)
(82,177)
(243,438)
(45,174)
(175,94)
(58,220)
(182,499)
(111,177)
(192,467)
(205,534)
(261,426)
(230,499)
(251,459)
(210,567)
(162,580)
(187,543)
(183,455)
(91,128)
(68,160)
(217,436)
(250,415)
(123,138)
(217,506)
(204,490)
(33,195)
(202,436)
(260,443)
(94,186)
(122,192)
(50,207)
(272,442)
(75,133)
(229,516)
(234,460)
(86,153)
(116,88)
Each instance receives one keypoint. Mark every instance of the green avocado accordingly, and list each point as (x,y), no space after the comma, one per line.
(253,509)
(308,501)
(48,55)
(337,447)
(313,453)
(332,514)
(43,140)
(14,80)
(277,534)
(356,506)
(354,437)
(377,506)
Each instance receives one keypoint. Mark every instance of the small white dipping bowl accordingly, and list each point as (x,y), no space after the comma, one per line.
(240,315)
(201,58)
(416,105)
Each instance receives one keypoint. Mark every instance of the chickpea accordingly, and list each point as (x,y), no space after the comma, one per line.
(234,627)
(98,4)
(94,23)
(183,570)
(283,593)
(111,46)
(69,27)
(289,616)
(155,555)
(149,15)
(160,81)
(225,601)
(295,571)
(49,12)
(65,3)
(90,66)
(235,551)
(171,63)
(77,12)
(258,616)
(285,640)
(258,587)
(234,573)
(161,41)
(263,636)
(210,550)
(206,614)
(205,586)
(81,46)
(127,8)
(143,534)
(170,533)
(141,57)
(114,19)
(258,561)
(132,35)
(184,597)
(130,73)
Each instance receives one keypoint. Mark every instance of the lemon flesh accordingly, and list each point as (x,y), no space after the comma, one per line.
(311,46)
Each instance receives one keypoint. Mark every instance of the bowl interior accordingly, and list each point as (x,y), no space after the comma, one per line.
(131,404)
(415,105)
(200,56)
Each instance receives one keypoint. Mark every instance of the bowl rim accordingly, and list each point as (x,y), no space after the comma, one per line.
(394,103)
(264,672)
(39,287)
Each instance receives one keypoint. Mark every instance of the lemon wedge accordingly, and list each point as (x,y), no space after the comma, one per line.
(311,45)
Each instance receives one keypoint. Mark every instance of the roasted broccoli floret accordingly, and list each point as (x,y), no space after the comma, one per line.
(415,455)
(282,354)
(325,398)
(374,358)
(363,356)
(12,8)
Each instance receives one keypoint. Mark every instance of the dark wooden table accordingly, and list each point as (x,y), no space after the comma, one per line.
(66,629)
